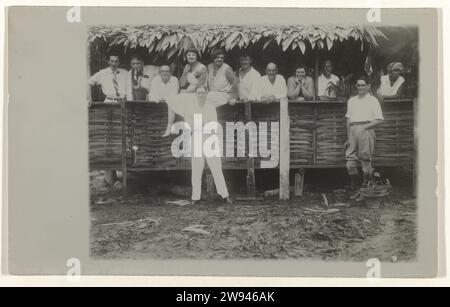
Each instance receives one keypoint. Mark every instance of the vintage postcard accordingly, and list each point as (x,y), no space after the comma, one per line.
(223,141)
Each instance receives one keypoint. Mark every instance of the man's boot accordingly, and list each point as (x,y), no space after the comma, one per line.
(354,186)
(367,180)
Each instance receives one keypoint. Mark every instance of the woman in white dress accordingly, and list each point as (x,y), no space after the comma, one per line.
(194,76)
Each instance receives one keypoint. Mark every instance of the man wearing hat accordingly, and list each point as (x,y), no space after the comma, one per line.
(392,84)
(113,80)
(222,82)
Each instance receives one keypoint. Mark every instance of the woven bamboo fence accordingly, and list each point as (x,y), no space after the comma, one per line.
(317,135)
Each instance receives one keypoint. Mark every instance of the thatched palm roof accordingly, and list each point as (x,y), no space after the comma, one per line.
(175,39)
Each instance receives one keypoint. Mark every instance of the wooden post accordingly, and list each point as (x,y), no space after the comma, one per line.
(284,150)
(414,168)
(299,182)
(316,76)
(251,187)
(123,118)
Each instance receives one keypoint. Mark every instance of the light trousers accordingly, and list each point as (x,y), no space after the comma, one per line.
(361,148)
(215,165)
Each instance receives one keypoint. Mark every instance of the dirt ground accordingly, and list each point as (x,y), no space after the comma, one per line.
(145,226)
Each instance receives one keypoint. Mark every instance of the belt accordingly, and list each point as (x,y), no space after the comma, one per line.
(112,98)
(359,123)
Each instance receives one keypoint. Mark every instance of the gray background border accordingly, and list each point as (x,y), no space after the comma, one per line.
(48,212)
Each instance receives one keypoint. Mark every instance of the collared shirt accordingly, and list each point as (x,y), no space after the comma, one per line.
(160,90)
(190,107)
(248,82)
(104,78)
(388,89)
(148,73)
(363,109)
(267,88)
(323,84)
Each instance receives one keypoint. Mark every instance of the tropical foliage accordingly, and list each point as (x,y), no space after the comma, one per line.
(173,40)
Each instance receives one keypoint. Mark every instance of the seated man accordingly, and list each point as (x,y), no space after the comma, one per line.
(164,86)
(112,80)
(327,84)
(392,85)
(271,87)
(222,81)
(140,78)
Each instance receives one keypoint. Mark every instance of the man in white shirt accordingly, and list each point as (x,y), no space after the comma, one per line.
(164,86)
(363,115)
(195,105)
(113,80)
(327,84)
(248,78)
(139,79)
(271,87)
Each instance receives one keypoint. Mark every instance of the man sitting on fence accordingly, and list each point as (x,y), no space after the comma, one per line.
(248,78)
(164,86)
(196,105)
(363,115)
(328,83)
(113,80)
(222,81)
(271,87)
(140,78)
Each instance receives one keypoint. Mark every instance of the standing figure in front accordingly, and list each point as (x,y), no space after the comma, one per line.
(363,115)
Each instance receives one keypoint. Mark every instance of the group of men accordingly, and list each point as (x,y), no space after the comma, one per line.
(223,86)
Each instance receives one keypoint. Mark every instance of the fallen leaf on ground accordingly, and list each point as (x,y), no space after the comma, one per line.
(197,229)
(178,202)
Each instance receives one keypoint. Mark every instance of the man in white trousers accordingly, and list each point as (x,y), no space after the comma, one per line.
(194,108)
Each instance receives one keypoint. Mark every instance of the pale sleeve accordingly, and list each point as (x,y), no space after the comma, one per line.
(349,109)
(255,93)
(321,87)
(154,95)
(176,86)
(129,87)
(94,79)
(282,88)
(377,112)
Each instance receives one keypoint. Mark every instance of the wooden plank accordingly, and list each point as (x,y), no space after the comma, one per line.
(299,182)
(251,185)
(284,150)
(124,149)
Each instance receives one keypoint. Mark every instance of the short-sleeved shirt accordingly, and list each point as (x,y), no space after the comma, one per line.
(160,90)
(363,109)
(323,83)
(267,88)
(105,77)
(248,82)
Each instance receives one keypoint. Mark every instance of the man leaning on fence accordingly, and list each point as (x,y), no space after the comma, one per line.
(113,80)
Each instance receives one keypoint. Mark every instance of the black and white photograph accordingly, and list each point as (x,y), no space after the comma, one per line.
(253,141)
